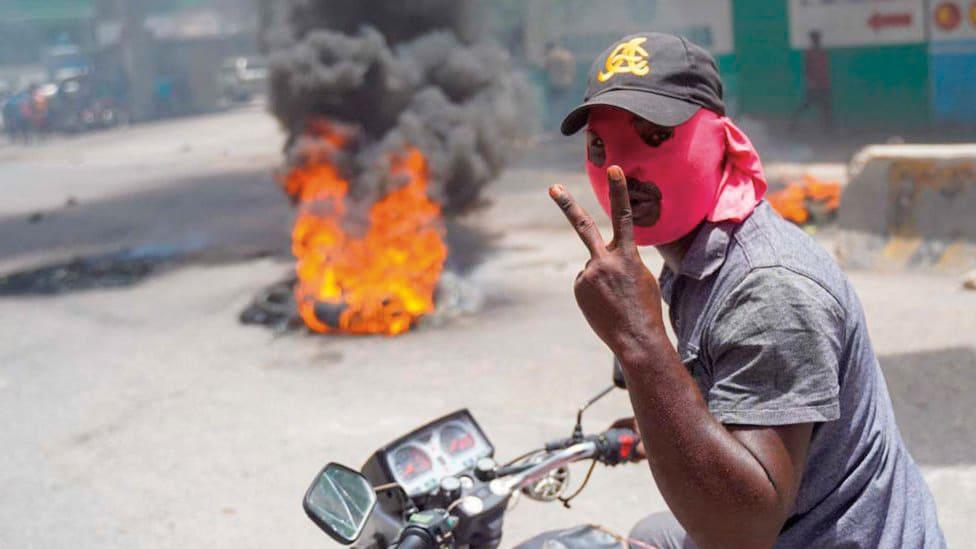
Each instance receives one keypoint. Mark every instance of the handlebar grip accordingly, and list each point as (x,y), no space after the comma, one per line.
(414,538)
(618,446)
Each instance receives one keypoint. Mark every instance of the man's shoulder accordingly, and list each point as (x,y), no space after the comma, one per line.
(767,242)
(769,263)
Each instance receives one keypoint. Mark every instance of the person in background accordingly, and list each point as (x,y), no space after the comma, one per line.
(14,121)
(38,110)
(560,67)
(817,73)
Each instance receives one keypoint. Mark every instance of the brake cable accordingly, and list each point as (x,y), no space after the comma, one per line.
(565,500)
(530,453)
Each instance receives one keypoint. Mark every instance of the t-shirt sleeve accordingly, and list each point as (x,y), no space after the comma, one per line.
(775,347)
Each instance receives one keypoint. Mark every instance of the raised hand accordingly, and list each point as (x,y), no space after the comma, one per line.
(619,297)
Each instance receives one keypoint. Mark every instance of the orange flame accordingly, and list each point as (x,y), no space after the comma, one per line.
(382,281)
(795,201)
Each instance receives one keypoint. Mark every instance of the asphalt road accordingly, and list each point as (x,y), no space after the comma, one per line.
(148,416)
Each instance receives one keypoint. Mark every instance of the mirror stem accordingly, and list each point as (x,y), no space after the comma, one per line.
(578,429)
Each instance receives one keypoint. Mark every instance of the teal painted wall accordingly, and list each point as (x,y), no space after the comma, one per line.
(878,87)
(770,74)
(881,87)
(729,70)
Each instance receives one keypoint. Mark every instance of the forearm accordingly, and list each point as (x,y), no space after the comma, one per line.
(714,485)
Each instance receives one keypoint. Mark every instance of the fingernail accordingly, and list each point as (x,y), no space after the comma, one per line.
(556,190)
(615,173)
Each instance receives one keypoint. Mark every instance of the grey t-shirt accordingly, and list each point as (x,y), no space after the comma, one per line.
(774,334)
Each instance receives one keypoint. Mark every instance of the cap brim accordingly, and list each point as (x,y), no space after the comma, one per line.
(660,109)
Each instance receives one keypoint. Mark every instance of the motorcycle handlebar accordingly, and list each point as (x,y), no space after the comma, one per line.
(610,447)
(552,460)
(613,445)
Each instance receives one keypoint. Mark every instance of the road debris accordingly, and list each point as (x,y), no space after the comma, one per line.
(116,269)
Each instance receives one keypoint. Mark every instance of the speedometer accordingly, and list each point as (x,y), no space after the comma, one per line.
(411,462)
(456,440)
(419,460)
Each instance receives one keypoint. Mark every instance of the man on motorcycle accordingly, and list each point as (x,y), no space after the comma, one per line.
(769,423)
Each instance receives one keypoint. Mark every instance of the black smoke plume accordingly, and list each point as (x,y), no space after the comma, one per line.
(401,73)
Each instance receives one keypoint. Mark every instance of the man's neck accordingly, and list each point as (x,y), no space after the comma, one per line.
(674,252)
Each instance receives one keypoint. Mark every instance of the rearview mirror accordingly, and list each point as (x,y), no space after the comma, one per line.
(340,501)
(618,375)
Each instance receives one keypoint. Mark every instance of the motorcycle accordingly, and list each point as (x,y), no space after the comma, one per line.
(439,486)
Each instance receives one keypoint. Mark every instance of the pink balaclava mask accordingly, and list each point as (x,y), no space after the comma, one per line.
(707,170)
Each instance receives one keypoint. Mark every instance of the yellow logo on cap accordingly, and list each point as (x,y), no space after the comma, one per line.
(627,57)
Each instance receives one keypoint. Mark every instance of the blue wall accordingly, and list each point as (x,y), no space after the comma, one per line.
(953,74)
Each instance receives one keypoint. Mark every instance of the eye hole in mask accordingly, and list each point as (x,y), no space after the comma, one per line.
(652,134)
(596,150)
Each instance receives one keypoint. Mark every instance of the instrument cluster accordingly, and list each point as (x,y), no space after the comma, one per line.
(445,448)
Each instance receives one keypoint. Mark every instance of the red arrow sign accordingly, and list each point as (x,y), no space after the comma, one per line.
(880,21)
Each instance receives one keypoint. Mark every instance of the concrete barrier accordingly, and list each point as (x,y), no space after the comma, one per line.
(910,206)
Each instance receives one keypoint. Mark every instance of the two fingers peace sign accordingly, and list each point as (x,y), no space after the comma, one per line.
(620,214)
(619,297)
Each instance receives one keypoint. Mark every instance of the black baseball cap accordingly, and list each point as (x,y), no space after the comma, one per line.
(660,77)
